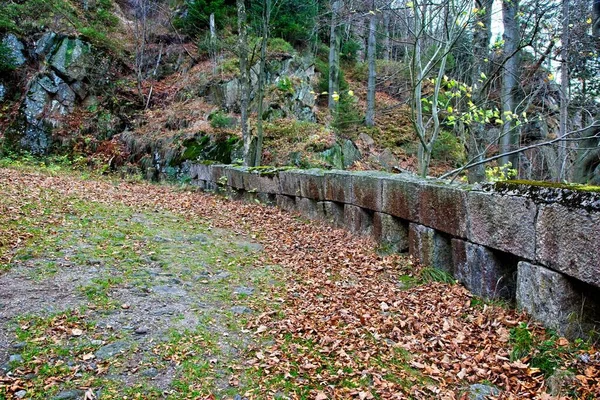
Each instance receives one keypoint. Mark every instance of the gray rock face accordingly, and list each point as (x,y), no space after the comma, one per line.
(290,182)
(505,223)
(429,248)
(286,203)
(390,231)
(310,208)
(358,220)
(69,395)
(311,184)
(72,59)
(548,296)
(45,45)
(482,392)
(568,240)
(111,350)
(16,49)
(334,213)
(482,271)
(350,153)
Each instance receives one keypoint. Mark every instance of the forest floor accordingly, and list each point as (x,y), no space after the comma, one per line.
(120,289)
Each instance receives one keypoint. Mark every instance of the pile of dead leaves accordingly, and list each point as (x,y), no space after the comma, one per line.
(345,326)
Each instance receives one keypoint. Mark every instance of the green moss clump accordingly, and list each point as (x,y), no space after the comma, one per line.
(551,185)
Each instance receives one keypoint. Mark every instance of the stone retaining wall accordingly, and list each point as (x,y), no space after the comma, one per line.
(538,246)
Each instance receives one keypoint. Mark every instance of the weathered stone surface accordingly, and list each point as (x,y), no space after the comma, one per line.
(482,392)
(367,189)
(338,186)
(201,171)
(72,59)
(350,153)
(443,207)
(390,231)
(358,220)
(482,271)
(290,182)
(217,171)
(400,196)
(334,213)
(429,247)
(235,176)
(286,203)
(311,184)
(46,44)
(252,182)
(269,183)
(548,296)
(505,223)
(267,198)
(568,240)
(16,49)
(310,208)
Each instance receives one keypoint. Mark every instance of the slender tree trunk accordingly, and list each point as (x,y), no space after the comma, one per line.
(509,140)
(262,75)
(334,53)
(561,159)
(387,49)
(213,42)
(481,43)
(244,81)
(359,36)
(372,49)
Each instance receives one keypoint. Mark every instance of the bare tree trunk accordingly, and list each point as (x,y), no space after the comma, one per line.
(482,31)
(244,81)
(387,50)
(262,75)
(370,116)
(509,139)
(561,158)
(213,42)
(334,53)
(359,36)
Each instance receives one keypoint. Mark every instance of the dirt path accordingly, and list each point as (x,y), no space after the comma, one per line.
(114,289)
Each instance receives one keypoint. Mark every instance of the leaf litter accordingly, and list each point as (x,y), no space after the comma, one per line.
(345,326)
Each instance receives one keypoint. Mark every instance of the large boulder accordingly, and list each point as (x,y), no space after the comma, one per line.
(16,49)
(72,60)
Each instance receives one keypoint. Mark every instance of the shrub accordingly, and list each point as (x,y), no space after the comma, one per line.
(220,120)
(278,45)
(448,147)
(350,50)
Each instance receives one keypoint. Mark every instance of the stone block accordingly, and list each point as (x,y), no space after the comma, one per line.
(391,232)
(267,198)
(269,183)
(334,213)
(311,184)
(235,176)
(251,182)
(310,208)
(202,171)
(400,196)
(443,206)
(367,190)
(290,182)
(337,186)
(568,241)
(484,272)
(505,223)
(429,247)
(286,203)
(358,220)
(216,172)
(548,296)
